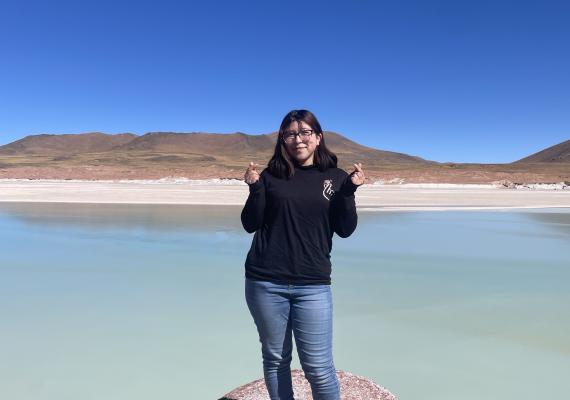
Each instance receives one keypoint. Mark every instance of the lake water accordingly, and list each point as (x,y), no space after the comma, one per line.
(118,302)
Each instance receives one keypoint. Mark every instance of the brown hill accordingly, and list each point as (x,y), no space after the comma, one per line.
(211,144)
(557,153)
(240,145)
(65,144)
(171,146)
(157,154)
(200,155)
(345,148)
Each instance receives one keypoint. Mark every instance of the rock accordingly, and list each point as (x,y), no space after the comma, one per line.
(352,387)
(532,186)
(504,183)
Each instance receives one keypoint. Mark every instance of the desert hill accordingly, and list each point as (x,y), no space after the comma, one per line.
(208,145)
(202,155)
(557,153)
(65,144)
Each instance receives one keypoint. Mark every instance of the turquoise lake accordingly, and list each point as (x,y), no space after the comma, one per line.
(141,302)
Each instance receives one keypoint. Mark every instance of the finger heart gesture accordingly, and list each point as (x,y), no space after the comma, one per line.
(357,176)
(251,174)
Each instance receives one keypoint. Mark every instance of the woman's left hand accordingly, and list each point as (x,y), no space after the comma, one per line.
(357,176)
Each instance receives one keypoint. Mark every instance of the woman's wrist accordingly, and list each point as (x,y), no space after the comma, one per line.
(348,187)
(254,186)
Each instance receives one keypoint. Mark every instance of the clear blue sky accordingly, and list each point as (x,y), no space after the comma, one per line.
(484,81)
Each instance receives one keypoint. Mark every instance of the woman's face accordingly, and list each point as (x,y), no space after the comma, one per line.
(301,147)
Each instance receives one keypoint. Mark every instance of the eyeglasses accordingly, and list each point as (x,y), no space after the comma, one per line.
(305,135)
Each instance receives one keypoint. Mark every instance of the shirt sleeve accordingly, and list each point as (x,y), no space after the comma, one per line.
(343,208)
(253,212)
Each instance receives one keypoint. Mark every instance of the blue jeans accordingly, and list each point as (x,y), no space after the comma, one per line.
(280,310)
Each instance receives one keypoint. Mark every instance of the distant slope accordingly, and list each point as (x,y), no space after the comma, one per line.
(199,155)
(199,143)
(65,144)
(228,148)
(346,148)
(557,153)
(239,145)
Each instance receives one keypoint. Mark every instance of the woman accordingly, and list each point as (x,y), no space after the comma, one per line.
(294,207)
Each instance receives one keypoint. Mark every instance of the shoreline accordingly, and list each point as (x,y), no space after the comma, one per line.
(369,198)
(238,182)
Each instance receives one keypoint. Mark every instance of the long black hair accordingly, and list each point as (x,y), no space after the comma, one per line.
(281,165)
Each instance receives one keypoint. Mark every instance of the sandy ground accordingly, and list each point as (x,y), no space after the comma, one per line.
(368,197)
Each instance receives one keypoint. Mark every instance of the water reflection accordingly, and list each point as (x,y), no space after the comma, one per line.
(209,218)
(216,218)
(557,221)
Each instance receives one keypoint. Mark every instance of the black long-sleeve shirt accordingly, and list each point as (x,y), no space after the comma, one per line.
(294,221)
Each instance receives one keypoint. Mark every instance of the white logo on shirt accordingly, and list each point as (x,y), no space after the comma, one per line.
(328,189)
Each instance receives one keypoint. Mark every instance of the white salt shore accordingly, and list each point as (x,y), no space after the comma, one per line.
(370,197)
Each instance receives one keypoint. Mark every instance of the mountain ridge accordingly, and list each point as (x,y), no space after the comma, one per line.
(169,141)
(208,144)
(204,155)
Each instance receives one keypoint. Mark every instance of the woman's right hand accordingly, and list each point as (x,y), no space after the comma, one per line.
(251,174)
